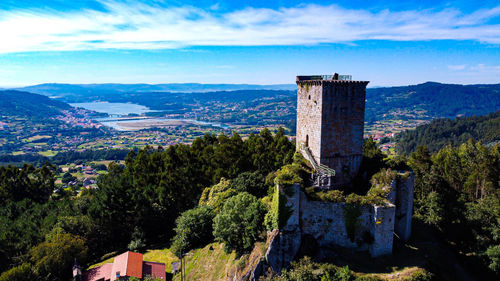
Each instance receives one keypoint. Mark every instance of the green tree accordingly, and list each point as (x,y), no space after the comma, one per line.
(53,259)
(216,195)
(22,272)
(67,177)
(251,182)
(239,224)
(194,229)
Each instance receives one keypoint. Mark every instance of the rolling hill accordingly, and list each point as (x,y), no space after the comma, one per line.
(24,104)
(441,132)
(426,101)
(431,100)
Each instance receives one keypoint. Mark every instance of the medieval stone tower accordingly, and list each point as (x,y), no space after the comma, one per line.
(330,123)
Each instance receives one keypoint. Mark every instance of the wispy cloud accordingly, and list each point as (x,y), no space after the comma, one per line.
(457,67)
(134,25)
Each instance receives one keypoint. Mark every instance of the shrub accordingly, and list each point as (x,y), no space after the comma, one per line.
(239,223)
(215,195)
(493,254)
(376,196)
(290,174)
(54,258)
(420,276)
(384,177)
(194,229)
(251,182)
(137,241)
(18,273)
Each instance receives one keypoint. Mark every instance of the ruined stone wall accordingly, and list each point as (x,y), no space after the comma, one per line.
(404,206)
(309,104)
(382,230)
(325,221)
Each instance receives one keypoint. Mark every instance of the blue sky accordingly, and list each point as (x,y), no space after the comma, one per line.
(257,42)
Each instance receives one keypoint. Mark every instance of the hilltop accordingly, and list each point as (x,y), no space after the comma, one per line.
(441,132)
(17,103)
(431,100)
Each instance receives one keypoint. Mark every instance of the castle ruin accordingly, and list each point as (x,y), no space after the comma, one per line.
(330,124)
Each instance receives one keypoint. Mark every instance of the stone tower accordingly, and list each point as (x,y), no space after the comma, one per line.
(330,123)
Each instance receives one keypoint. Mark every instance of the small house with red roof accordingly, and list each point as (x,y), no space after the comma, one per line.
(128,264)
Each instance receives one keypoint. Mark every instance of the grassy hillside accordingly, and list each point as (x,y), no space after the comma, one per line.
(209,263)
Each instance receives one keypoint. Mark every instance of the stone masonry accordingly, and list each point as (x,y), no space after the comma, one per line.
(330,123)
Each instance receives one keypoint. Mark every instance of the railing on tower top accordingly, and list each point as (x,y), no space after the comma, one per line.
(320,168)
(340,77)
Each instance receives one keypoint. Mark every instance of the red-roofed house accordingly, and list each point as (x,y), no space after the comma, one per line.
(128,264)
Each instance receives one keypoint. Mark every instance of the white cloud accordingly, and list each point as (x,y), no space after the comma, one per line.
(142,26)
(457,67)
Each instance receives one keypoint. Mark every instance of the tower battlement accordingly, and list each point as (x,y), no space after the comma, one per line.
(330,124)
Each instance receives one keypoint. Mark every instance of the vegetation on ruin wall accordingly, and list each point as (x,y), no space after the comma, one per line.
(351,219)
(287,176)
(377,195)
(279,213)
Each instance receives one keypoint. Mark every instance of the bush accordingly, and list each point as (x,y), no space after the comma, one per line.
(194,229)
(290,174)
(215,195)
(138,241)
(54,258)
(420,276)
(251,182)
(18,273)
(239,223)
(384,177)
(493,254)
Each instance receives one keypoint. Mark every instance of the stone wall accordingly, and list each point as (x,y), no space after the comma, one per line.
(309,104)
(342,128)
(325,221)
(382,229)
(330,119)
(404,205)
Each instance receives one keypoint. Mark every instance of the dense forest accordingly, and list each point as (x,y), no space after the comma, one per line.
(42,232)
(17,103)
(64,157)
(431,100)
(219,188)
(441,132)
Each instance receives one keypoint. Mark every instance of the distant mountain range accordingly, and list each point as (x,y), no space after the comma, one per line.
(68,90)
(425,101)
